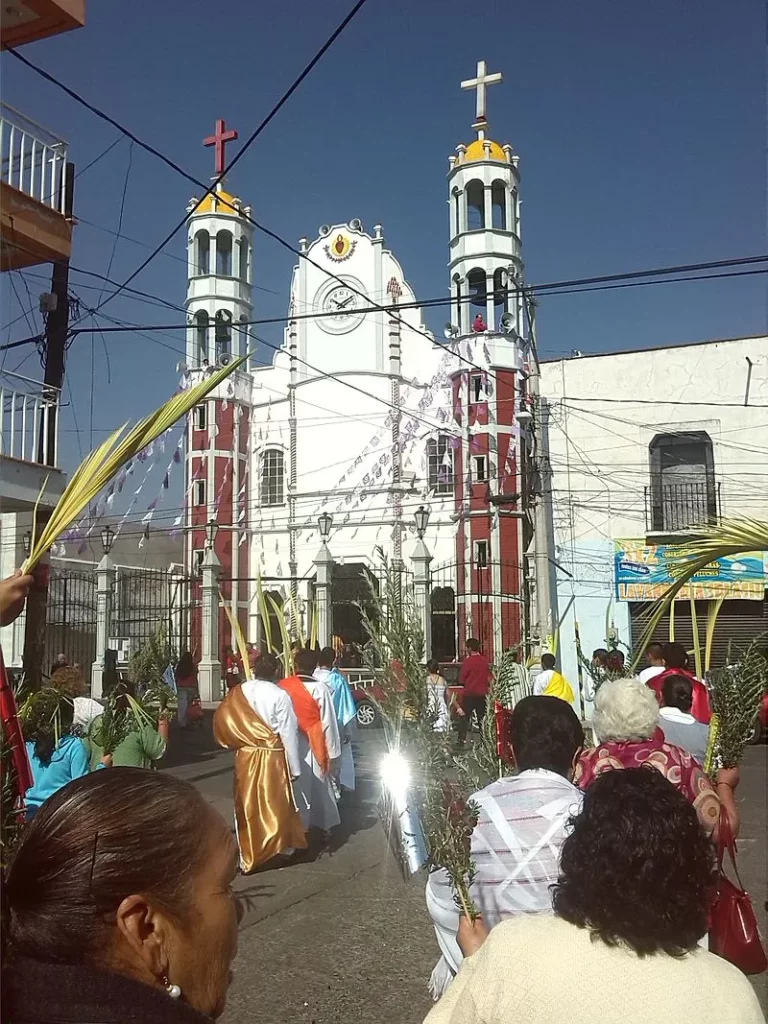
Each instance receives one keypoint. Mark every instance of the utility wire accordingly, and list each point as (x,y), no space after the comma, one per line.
(262,321)
(210,189)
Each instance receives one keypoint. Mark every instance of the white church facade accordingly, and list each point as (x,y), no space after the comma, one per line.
(363,416)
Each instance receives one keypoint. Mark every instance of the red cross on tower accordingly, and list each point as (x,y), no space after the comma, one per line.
(219,139)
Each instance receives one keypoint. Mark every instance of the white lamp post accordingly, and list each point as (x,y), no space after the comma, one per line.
(421,559)
(323,571)
(105,597)
(209,669)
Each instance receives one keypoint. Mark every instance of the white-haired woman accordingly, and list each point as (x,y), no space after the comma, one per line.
(624,721)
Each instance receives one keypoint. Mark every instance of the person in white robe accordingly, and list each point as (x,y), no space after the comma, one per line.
(315,790)
(274,707)
(346,712)
(521,827)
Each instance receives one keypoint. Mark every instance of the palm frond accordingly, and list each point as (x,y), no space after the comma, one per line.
(696,640)
(713,611)
(729,537)
(98,468)
(237,633)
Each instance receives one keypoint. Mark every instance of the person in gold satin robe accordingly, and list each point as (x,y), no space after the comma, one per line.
(257,721)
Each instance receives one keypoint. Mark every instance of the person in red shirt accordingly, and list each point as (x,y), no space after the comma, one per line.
(475,677)
(676,664)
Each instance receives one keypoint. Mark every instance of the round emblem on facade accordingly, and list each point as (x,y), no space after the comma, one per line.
(340,248)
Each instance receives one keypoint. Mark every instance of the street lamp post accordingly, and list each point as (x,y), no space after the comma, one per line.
(105,597)
(323,571)
(421,559)
(209,669)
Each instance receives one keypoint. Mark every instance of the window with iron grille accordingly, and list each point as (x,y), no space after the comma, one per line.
(480,467)
(683,490)
(482,548)
(272,477)
(440,464)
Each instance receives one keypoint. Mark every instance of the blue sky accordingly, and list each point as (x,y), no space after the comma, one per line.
(640,129)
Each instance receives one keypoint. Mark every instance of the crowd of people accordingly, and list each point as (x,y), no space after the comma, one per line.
(293,742)
(595,865)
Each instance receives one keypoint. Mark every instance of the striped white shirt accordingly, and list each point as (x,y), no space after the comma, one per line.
(516,844)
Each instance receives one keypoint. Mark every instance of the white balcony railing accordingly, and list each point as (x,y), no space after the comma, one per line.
(29,421)
(32,159)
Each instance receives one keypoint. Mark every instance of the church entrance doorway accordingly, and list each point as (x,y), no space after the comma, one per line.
(350,593)
(443,621)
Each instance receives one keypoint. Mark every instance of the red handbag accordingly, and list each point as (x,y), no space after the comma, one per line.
(733,932)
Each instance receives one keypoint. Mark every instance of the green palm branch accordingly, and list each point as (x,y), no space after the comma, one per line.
(736,536)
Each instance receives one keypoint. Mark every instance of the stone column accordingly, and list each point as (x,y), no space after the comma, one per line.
(105,590)
(421,559)
(324,566)
(209,669)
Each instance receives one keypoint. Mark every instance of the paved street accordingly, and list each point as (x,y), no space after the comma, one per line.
(343,938)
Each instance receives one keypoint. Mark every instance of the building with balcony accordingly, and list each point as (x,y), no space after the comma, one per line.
(645,447)
(35,228)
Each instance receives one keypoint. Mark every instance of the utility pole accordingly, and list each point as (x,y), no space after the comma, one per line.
(543,619)
(55,347)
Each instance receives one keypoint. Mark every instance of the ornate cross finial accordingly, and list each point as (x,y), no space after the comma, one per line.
(480,83)
(219,139)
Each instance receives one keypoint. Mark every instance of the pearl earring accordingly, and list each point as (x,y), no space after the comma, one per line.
(173,990)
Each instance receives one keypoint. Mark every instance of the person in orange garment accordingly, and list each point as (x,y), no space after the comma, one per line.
(319,743)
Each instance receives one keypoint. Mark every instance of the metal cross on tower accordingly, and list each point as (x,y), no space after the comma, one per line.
(480,83)
(219,139)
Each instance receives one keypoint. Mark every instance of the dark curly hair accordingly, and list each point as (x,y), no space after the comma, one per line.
(637,867)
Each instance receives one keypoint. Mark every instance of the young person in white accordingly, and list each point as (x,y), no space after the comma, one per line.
(438,697)
(654,655)
(521,828)
(346,712)
(544,678)
(274,707)
(315,790)
(676,721)
(620,947)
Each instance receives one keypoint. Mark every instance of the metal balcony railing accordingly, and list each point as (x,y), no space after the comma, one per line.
(32,159)
(29,414)
(670,508)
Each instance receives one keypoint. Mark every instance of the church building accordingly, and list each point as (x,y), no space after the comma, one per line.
(364,418)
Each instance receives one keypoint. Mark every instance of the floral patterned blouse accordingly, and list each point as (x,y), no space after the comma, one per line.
(674,763)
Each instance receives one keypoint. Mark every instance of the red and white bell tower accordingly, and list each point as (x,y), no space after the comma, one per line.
(488,382)
(219,306)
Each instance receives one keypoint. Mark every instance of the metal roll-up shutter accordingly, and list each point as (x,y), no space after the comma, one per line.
(738,624)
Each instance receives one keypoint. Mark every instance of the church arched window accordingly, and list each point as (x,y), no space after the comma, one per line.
(499,205)
(223,334)
(201,335)
(202,252)
(224,253)
(477,286)
(500,290)
(458,313)
(475,206)
(242,259)
(515,213)
(456,211)
(440,464)
(242,330)
(272,481)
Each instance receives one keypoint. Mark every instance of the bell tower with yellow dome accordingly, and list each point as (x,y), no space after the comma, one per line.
(483,183)
(219,308)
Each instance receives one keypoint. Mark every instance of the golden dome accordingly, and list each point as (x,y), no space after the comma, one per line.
(476,151)
(221,203)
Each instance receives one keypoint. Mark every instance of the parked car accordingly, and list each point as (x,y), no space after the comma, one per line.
(367,693)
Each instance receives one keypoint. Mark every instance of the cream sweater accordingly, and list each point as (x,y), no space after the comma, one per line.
(541,970)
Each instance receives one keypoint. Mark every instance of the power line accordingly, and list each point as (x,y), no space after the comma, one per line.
(443,301)
(604,280)
(210,189)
